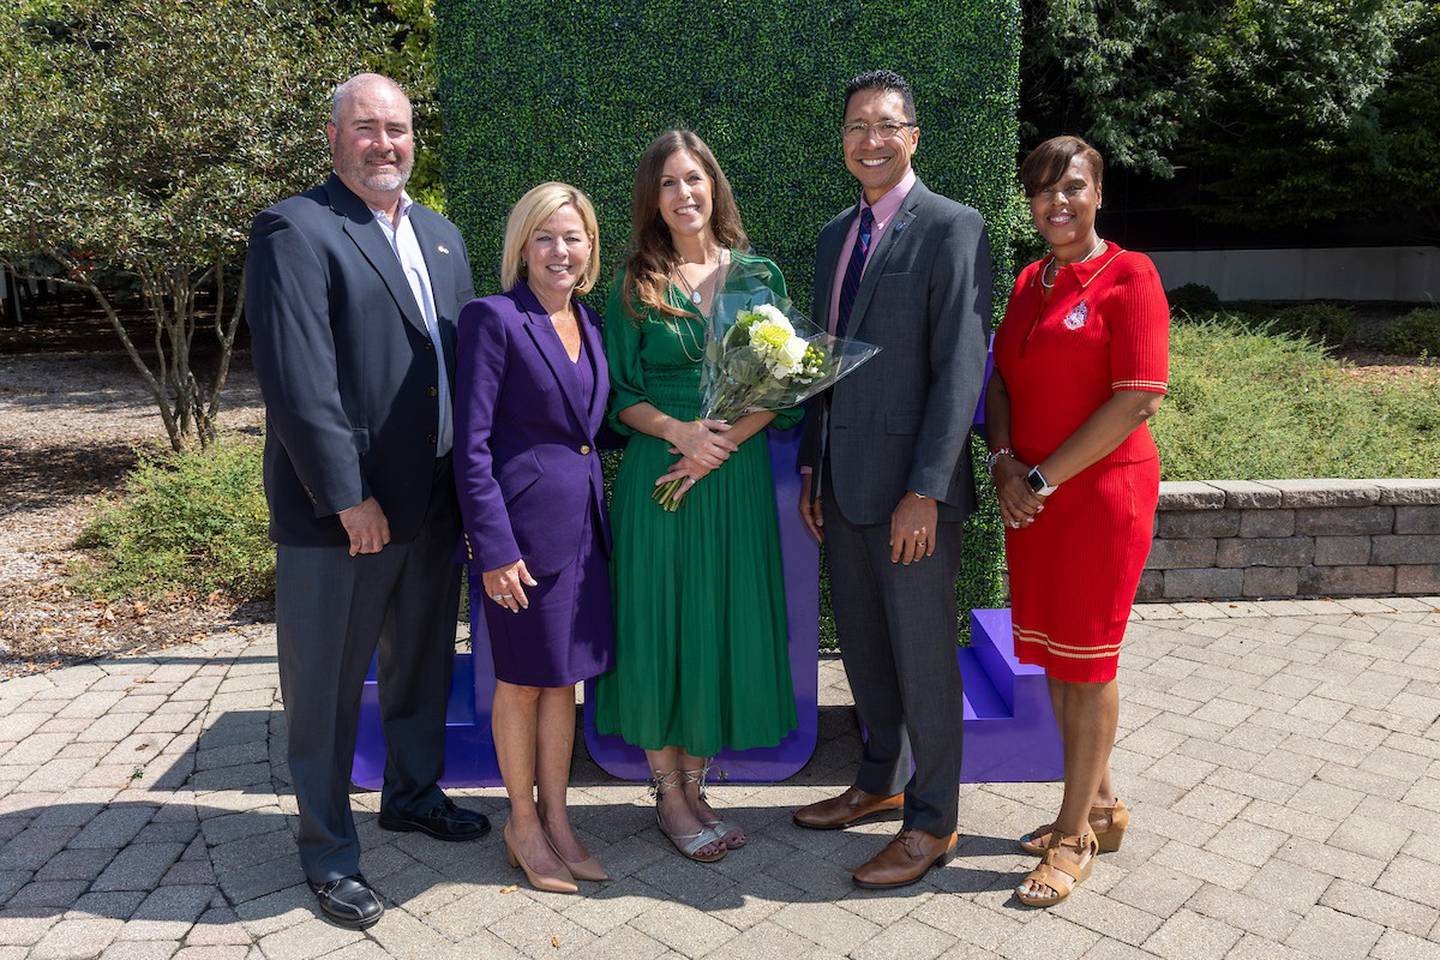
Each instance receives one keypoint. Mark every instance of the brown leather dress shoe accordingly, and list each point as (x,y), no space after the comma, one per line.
(905,859)
(848,809)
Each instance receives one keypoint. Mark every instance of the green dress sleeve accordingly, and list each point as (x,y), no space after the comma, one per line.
(623,338)
(790,416)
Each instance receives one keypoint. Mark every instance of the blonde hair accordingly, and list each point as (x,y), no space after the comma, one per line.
(530,211)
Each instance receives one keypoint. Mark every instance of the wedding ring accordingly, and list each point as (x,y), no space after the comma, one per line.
(689,481)
(502,596)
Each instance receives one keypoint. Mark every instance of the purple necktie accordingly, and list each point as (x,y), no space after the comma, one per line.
(850,285)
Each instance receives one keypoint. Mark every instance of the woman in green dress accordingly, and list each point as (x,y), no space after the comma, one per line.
(701,662)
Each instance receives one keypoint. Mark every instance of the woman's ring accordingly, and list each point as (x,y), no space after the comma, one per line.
(502,596)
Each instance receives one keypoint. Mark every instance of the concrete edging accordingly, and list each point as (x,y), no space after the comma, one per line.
(1247,539)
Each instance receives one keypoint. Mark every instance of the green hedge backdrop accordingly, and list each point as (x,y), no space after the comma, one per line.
(533,91)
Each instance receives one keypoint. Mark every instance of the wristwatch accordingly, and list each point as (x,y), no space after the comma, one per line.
(1038,483)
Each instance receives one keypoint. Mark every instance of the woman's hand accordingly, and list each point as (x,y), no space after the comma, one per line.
(1019,505)
(688,471)
(506,586)
(702,441)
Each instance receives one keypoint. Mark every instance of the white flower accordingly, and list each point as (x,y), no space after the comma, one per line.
(794,352)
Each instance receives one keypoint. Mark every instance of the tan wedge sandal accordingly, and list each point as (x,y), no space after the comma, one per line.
(1059,872)
(1107,823)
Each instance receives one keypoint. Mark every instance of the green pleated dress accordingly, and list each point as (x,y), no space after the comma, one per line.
(701,658)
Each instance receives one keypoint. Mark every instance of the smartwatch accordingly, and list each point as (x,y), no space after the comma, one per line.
(1038,484)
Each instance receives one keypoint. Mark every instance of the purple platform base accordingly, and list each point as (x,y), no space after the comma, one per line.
(469,747)
(1010,732)
(801,557)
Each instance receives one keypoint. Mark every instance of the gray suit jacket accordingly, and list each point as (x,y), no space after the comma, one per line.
(344,361)
(902,421)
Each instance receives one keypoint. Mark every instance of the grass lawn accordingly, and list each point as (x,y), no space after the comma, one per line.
(1246,405)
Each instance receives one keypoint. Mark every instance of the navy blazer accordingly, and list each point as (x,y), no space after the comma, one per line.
(526,466)
(344,361)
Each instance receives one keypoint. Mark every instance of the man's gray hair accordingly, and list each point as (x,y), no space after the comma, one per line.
(353,86)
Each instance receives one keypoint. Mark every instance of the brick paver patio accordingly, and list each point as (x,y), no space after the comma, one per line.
(1282,760)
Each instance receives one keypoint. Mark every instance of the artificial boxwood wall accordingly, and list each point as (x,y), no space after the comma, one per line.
(535,91)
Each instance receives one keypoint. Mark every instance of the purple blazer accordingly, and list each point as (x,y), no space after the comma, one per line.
(526,467)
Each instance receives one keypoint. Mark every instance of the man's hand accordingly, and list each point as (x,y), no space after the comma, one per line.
(366,524)
(912,529)
(810,509)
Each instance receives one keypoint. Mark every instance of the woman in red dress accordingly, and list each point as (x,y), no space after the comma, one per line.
(1081,362)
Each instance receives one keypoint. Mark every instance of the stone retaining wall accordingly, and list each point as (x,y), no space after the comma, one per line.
(1233,539)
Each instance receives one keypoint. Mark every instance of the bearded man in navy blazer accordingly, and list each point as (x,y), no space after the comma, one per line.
(889,485)
(351,294)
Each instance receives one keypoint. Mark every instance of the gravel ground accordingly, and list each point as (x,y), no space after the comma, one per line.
(69,426)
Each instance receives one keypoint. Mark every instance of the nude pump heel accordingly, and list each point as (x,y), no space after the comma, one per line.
(562,882)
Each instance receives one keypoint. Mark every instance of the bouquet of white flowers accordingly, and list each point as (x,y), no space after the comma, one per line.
(762,354)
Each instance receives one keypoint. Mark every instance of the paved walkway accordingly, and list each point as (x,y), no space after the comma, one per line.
(1282,760)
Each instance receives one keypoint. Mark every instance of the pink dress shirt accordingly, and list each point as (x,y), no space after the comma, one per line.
(884,211)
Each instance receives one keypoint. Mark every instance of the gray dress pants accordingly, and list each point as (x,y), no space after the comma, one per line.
(331,610)
(897,629)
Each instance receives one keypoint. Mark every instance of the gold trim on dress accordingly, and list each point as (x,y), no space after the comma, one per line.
(1064,650)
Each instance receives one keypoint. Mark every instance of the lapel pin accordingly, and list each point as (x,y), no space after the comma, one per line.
(901,225)
(442,248)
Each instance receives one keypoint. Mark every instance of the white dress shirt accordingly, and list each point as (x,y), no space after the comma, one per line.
(407,248)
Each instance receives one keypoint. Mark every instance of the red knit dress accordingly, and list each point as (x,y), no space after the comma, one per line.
(1103,327)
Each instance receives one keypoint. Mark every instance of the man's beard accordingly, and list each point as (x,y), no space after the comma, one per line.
(378,182)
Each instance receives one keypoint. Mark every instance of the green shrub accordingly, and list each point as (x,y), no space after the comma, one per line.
(1416,333)
(1325,323)
(1192,300)
(192,523)
(1247,405)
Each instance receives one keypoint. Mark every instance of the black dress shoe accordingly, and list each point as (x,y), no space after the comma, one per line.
(444,821)
(349,902)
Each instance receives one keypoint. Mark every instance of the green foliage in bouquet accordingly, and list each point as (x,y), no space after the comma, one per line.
(533,91)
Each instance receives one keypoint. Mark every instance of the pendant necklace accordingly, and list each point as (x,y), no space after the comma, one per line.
(696,297)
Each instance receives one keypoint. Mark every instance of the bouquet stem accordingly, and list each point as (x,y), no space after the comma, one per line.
(667,497)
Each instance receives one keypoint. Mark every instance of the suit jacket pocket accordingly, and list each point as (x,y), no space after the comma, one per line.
(903,423)
(518,475)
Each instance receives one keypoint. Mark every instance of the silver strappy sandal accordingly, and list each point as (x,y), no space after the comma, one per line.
(728,831)
(689,844)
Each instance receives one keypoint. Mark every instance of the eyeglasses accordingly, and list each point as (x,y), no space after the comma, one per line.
(884,129)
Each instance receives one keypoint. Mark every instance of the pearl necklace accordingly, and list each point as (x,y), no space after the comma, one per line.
(1099,244)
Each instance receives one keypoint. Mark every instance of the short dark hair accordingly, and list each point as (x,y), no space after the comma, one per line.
(883,80)
(1048,162)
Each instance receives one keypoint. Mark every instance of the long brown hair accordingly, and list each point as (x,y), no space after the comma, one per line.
(653,256)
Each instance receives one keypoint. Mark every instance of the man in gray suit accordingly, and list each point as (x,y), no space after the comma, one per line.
(888,482)
(352,292)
